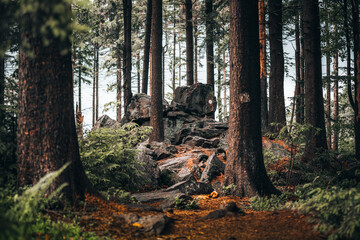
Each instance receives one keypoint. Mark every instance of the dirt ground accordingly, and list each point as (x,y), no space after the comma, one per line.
(99,216)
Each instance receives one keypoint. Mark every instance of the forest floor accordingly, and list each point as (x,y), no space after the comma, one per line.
(99,216)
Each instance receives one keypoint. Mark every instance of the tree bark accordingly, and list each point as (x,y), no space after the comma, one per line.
(174,55)
(127,5)
(209,42)
(276,86)
(302,73)
(348,54)
(355,14)
(245,166)
(336,100)
(145,75)
(94,89)
(328,87)
(46,124)
(314,105)
(97,84)
(297,69)
(263,73)
(195,54)
(2,90)
(189,44)
(118,85)
(225,90)
(156,109)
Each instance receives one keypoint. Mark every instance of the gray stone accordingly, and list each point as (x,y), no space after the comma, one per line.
(155,196)
(214,167)
(154,224)
(105,122)
(191,187)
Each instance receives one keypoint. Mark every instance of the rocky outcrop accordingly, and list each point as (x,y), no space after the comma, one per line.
(105,121)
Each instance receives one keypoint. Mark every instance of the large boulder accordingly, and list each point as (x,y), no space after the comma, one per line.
(197,99)
(105,121)
(138,110)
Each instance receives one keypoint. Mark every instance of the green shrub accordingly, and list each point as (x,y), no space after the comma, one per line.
(119,195)
(337,211)
(181,203)
(274,202)
(229,190)
(109,159)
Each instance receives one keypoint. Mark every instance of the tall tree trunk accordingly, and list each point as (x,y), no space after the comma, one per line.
(263,73)
(189,44)
(2,89)
(220,114)
(46,125)
(276,86)
(314,105)
(245,165)
(180,63)
(302,73)
(97,84)
(209,42)
(174,55)
(156,109)
(355,14)
(328,87)
(195,54)
(348,54)
(138,71)
(118,85)
(94,89)
(297,68)
(127,5)
(336,100)
(145,75)
(225,93)
(80,82)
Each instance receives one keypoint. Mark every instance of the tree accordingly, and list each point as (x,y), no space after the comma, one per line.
(263,73)
(156,109)
(46,125)
(276,85)
(189,44)
(127,6)
(245,166)
(314,106)
(209,42)
(356,101)
(145,75)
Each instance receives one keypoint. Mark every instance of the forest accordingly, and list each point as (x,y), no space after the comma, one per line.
(205,142)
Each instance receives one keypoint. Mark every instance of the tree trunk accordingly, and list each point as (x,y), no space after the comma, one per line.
(302,73)
(2,89)
(276,86)
(328,86)
(263,73)
(355,14)
(348,55)
(195,54)
(46,125)
(138,71)
(225,94)
(174,55)
(156,109)
(145,75)
(209,42)
(94,89)
(118,85)
(245,165)
(179,63)
(297,68)
(336,100)
(97,84)
(127,4)
(314,105)
(80,81)
(220,114)
(189,44)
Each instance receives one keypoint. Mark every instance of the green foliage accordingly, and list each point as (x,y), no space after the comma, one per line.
(274,202)
(229,190)
(119,195)
(109,159)
(181,203)
(337,211)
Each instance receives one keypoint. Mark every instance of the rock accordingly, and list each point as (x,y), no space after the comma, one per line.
(191,187)
(105,121)
(214,167)
(201,142)
(169,203)
(155,196)
(138,110)
(143,207)
(149,166)
(154,224)
(231,207)
(219,213)
(197,99)
(172,149)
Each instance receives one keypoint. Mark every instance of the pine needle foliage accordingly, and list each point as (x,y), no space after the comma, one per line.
(109,157)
